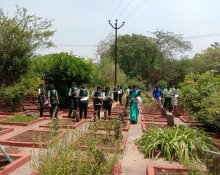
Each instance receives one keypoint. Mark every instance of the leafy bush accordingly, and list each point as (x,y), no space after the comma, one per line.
(61,70)
(12,96)
(162,84)
(181,144)
(200,93)
(63,157)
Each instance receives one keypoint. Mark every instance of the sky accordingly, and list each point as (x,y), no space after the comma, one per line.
(81,24)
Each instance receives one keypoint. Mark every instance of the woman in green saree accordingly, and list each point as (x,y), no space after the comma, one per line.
(134,109)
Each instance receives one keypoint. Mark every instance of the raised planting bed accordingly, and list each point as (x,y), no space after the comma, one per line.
(100,124)
(153,118)
(64,123)
(47,114)
(89,115)
(20,120)
(146,125)
(116,170)
(166,170)
(186,119)
(17,161)
(5,130)
(30,138)
(103,141)
(150,112)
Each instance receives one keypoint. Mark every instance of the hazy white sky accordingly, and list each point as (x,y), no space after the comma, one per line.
(85,22)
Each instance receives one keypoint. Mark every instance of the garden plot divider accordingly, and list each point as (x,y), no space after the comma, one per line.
(174,169)
(6,130)
(22,123)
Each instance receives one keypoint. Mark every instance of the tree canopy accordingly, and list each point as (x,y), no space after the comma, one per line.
(20,36)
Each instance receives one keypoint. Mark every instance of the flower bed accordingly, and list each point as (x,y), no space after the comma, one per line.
(24,121)
(5,130)
(30,138)
(153,118)
(186,119)
(18,160)
(146,125)
(105,142)
(165,170)
(65,123)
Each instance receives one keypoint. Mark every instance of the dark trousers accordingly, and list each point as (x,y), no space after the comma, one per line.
(83,107)
(127,102)
(54,110)
(73,106)
(167,104)
(107,108)
(115,96)
(120,98)
(97,109)
(42,102)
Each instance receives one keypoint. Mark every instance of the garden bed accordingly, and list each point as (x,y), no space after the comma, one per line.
(105,142)
(146,125)
(5,130)
(125,127)
(18,160)
(153,118)
(65,123)
(20,120)
(166,170)
(29,138)
(186,119)
(116,170)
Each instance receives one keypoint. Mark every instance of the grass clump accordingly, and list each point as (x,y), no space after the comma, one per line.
(21,118)
(181,144)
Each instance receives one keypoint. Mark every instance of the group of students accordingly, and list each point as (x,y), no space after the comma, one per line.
(79,98)
(166,93)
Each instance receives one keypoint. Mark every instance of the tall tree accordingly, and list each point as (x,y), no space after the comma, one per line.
(20,36)
(171,44)
(137,55)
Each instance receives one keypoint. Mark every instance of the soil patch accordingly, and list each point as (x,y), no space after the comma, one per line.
(32,136)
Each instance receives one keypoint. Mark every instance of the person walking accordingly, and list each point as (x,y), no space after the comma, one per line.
(167,98)
(83,101)
(53,101)
(107,102)
(128,91)
(73,93)
(97,102)
(42,98)
(134,104)
(120,94)
(115,93)
(157,94)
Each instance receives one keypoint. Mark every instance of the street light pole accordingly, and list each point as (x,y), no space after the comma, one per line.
(116,47)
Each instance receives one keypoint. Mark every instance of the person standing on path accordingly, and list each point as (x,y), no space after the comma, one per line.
(53,101)
(42,98)
(115,93)
(73,92)
(128,91)
(107,102)
(120,94)
(97,102)
(83,101)
(157,94)
(167,93)
(134,106)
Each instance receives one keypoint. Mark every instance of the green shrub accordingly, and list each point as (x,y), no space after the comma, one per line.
(181,144)
(21,118)
(12,96)
(200,93)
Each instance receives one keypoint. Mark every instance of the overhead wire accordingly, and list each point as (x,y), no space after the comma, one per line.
(122,12)
(133,12)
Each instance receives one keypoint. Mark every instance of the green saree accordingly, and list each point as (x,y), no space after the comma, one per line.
(134,111)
